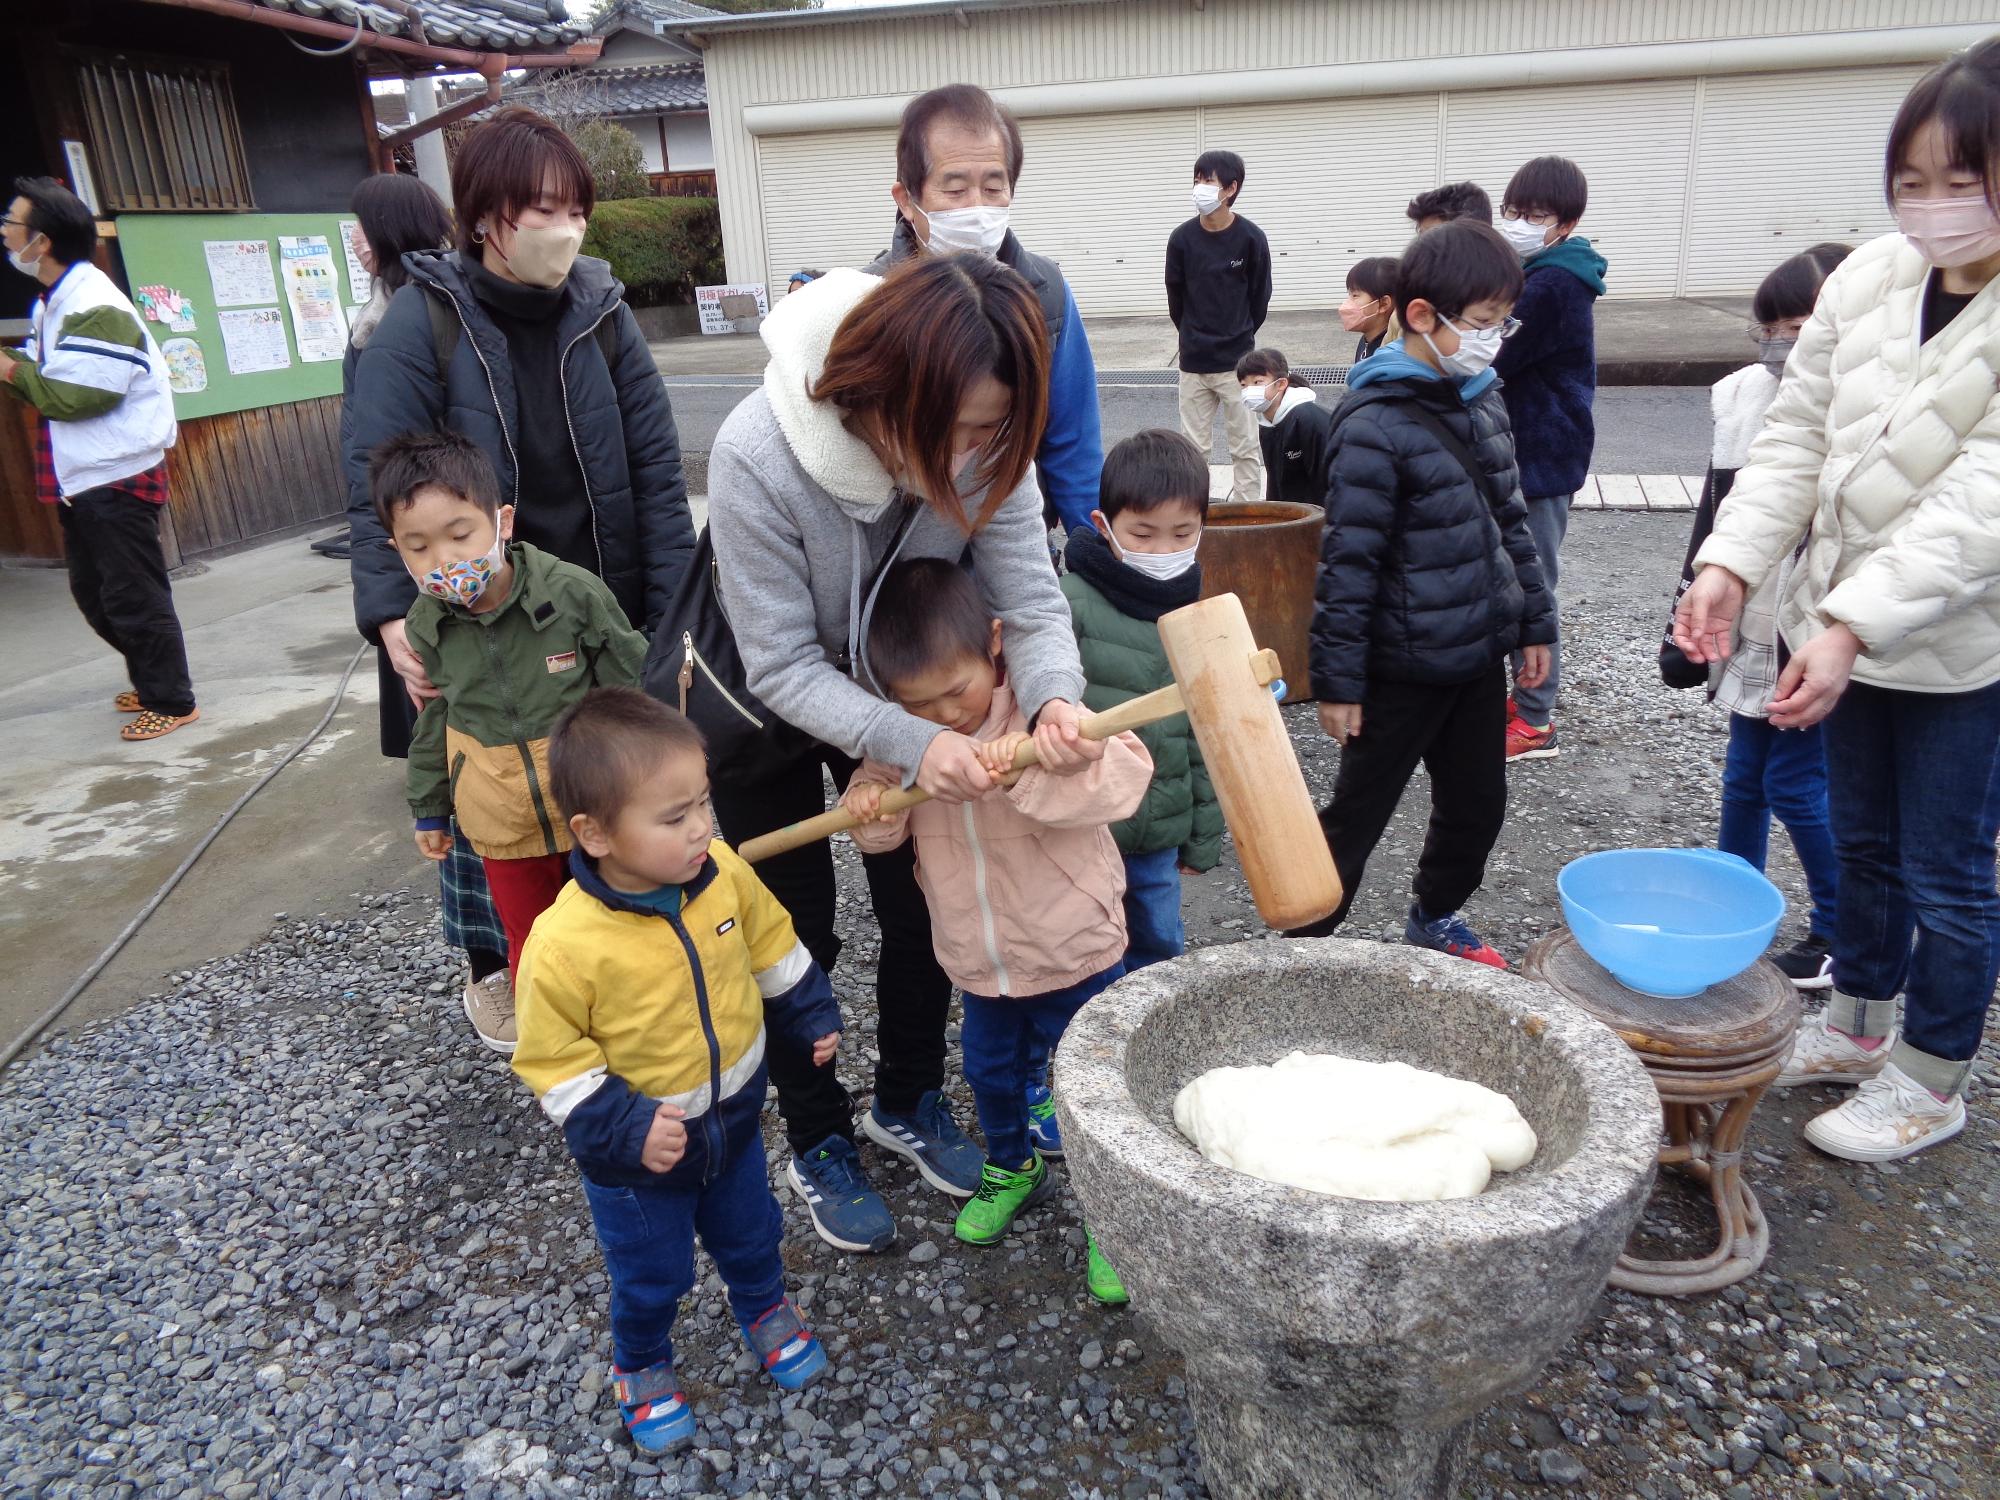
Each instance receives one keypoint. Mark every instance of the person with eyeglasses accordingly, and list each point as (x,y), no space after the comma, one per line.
(97,380)
(1428,579)
(1548,378)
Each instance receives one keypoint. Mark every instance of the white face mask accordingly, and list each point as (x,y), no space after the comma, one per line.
(1950,231)
(981,229)
(1160,565)
(1477,348)
(1526,238)
(1256,397)
(25,266)
(1207,198)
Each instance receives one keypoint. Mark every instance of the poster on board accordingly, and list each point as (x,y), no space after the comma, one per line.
(360,285)
(239,272)
(724,308)
(255,339)
(313,294)
(187,368)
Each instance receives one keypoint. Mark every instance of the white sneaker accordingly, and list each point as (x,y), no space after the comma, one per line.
(1892,1116)
(1822,1055)
(489,1006)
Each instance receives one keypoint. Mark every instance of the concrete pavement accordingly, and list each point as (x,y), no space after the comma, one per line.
(90,826)
(1686,342)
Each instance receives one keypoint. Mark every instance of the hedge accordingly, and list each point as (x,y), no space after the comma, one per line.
(661,248)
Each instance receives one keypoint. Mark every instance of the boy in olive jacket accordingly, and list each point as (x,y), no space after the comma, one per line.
(510,637)
(1136,565)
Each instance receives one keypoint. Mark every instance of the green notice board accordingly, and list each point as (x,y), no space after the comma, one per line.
(249,309)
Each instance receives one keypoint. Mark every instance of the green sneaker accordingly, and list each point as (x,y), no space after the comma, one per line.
(1100,1279)
(1001,1195)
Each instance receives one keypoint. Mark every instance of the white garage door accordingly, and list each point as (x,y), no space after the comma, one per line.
(1099,194)
(1787,161)
(1327,182)
(826,199)
(1632,141)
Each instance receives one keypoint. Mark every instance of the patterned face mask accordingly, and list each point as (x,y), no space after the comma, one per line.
(462,582)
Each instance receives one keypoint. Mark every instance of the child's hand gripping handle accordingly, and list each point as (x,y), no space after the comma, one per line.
(1134,713)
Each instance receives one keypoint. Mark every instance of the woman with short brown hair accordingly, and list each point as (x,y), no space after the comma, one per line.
(898,419)
(527,348)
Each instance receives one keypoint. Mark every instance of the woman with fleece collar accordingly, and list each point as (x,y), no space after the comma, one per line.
(1295,430)
(899,418)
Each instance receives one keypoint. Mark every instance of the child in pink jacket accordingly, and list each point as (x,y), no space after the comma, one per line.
(1024,884)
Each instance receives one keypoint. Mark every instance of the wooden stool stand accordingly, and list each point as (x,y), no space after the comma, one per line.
(1711,1057)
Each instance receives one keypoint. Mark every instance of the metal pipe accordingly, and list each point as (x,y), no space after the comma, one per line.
(1429,75)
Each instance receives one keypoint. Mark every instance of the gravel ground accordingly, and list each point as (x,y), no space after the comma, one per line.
(286,1229)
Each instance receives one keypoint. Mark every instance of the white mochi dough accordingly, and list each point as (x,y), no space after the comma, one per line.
(1385,1131)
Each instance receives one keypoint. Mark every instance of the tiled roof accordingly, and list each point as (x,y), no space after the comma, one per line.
(481,25)
(661,10)
(654,89)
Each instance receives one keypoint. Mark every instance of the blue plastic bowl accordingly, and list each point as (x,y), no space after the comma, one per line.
(1670,922)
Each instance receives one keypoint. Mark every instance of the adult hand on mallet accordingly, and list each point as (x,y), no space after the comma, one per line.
(1534,666)
(1341,721)
(951,770)
(409,666)
(666,1140)
(1814,679)
(1059,739)
(1706,616)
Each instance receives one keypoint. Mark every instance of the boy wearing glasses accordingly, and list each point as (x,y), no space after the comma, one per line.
(1428,579)
(1549,380)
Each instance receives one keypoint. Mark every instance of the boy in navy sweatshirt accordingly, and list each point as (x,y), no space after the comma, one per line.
(1218,291)
(1549,380)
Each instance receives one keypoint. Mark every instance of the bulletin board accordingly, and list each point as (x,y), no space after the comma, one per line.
(249,309)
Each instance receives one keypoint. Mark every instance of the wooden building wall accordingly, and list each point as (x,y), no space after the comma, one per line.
(246,474)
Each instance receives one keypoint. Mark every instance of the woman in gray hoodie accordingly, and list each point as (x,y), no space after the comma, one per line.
(898,418)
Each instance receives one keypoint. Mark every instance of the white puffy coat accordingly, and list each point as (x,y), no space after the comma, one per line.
(1885,453)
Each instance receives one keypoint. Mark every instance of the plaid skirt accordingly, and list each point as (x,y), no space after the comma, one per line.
(469,918)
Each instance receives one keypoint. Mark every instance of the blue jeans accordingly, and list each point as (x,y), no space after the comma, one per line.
(647,1235)
(1153,927)
(1782,771)
(1548,524)
(1000,1038)
(1914,787)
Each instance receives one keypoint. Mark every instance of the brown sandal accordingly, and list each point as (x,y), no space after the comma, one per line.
(150,726)
(128,703)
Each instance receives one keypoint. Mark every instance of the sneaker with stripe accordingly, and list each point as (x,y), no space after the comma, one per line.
(790,1354)
(656,1413)
(929,1137)
(846,1212)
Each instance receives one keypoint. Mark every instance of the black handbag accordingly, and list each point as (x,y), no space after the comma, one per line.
(694,665)
(1676,671)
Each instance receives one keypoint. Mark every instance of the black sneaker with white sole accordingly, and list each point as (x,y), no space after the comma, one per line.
(1807,963)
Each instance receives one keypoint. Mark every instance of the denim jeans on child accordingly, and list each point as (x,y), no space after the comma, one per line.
(1153,927)
(1000,1037)
(647,1235)
(1548,524)
(1914,791)
(1782,771)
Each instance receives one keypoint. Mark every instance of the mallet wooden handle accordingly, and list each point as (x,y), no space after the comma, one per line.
(1133,713)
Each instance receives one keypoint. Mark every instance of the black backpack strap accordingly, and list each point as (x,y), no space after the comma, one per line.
(606,334)
(1455,445)
(445,331)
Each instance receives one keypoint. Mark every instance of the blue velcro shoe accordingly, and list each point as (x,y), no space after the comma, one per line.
(846,1212)
(931,1138)
(790,1354)
(656,1413)
(1449,934)
(1044,1134)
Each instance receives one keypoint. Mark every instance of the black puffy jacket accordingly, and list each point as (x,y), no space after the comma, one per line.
(1422,578)
(619,419)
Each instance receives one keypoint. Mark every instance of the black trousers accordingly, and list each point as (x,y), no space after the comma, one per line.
(1459,734)
(912,994)
(118,576)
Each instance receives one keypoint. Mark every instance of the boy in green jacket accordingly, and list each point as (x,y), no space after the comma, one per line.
(510,637)
(1135,566)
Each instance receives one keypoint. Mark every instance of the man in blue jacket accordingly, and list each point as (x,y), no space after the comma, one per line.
(1549,380)
(958,158)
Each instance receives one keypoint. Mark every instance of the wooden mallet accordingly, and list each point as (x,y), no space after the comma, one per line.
(1222,683)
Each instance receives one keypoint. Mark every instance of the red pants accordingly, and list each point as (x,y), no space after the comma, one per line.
(522,890)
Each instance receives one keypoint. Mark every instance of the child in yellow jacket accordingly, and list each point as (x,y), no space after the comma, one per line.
(644,997)
(1024,884)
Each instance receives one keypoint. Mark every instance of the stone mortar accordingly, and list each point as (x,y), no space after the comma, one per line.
(1335,1347)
